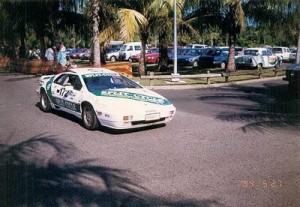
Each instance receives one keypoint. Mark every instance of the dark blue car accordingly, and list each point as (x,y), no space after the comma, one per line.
(214,57)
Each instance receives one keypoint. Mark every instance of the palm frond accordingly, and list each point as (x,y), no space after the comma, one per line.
(130,21)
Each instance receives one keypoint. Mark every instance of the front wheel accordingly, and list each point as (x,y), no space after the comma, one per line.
(89,118)
(45,103)
(195,64)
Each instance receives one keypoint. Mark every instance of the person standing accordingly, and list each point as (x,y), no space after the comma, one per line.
(50,58)
(61,55)
(49,54)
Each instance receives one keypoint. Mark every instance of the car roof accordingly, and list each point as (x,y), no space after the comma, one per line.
(256,48)
(84,71)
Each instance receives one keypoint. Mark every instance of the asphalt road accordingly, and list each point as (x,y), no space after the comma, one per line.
(228,146)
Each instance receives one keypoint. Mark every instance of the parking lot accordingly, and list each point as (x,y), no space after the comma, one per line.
(230,146)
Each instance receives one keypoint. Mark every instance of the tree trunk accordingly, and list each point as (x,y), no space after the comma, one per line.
(142,62)
(163,52)
(22,49)
(231,55)
(96,46)
(298,46)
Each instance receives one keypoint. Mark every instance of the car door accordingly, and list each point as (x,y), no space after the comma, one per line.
(269,60)
(67,93)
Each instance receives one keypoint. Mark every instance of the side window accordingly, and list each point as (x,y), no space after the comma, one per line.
(130,48)
(75,82)
(264,53)
(61,79)
(269,52)
(137,47)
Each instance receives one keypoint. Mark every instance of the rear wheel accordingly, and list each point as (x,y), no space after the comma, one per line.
(45,103)
(89,118)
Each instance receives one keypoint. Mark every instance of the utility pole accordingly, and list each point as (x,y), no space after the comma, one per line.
(175,79)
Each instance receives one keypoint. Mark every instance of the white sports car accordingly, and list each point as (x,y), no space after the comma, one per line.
(103,97)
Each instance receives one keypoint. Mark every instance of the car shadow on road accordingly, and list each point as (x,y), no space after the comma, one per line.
(31,177)
(260,108)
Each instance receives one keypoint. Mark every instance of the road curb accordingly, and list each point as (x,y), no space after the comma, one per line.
(196,86)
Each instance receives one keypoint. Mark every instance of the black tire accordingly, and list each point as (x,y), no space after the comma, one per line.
(89,118)
(113,58)
(44,102)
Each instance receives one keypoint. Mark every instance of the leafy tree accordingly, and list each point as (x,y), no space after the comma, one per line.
(228,15)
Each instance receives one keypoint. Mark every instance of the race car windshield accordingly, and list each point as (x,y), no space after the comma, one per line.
(104,82)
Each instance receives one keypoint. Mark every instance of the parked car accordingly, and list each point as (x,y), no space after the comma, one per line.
(181,51)
(95,96)
(257,58)
(69,52)
(86,55)
(112,55)
(114,46)
(213,57)
(282,52)
(151,56)
(293,55)
(190,58)
(129,49)
(78,53)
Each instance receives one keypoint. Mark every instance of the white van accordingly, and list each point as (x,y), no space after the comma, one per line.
(129,49)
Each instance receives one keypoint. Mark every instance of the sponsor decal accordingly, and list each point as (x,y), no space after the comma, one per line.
(66,93)
(48,89)
(67,104)
(100,75)
(272,60)
(133,96)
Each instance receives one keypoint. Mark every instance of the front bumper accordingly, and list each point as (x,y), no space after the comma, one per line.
(133,123)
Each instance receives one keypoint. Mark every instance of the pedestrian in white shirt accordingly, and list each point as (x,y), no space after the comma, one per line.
(50,57)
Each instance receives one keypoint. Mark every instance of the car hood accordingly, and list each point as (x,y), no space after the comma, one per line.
(187,56)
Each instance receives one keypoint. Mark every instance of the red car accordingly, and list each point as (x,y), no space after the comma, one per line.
(151,56)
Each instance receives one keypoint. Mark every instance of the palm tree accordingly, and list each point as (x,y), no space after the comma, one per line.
(139,20)
(156,16)
(228,15)
(234,23)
